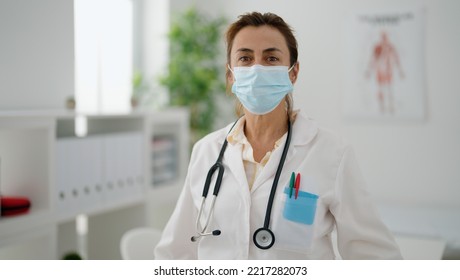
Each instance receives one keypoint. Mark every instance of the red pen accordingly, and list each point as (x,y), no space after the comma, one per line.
(297,185)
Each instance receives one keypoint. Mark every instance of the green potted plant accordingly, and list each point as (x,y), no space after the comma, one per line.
(195,73)
(141,90)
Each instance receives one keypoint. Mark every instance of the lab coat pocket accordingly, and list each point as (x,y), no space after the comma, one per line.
(294,221)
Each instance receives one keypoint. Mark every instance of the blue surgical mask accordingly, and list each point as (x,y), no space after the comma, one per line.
(261,88)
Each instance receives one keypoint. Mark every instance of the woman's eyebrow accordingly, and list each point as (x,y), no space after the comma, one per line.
(267,50)
(244,50)
(272,50)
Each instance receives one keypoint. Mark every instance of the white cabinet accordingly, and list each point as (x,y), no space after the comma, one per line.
(169,146)
(102,170)
(26,145)
(107,174)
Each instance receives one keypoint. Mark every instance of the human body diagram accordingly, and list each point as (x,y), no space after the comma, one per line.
(384,60)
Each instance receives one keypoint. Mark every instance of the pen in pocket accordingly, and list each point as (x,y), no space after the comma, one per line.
(291,184)
(297,185)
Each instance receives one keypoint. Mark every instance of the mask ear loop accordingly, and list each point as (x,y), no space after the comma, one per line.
(228,66)
(289,70)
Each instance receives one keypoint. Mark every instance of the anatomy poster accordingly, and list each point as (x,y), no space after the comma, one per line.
(384,65)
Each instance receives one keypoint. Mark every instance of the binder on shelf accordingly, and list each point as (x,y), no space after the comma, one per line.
(98,172)
(64,174)
(132,163)
(135,164)
(79,173)
(121,152)
(79,177)
(90,157)
(123,166)
(110,176)
(165,163)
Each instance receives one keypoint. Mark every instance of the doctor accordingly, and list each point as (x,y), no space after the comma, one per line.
(279,183)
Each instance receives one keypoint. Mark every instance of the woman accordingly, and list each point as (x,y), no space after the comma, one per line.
(264,209)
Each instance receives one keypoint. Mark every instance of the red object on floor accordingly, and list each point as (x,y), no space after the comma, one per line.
(11,206)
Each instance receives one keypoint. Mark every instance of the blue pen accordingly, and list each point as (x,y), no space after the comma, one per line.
(291,184)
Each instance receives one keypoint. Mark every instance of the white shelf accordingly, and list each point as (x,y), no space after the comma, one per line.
(26,159)
(12,226)
(173,127)
(38,243)
(112,173)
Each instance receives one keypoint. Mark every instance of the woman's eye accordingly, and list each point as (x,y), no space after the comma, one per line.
(272,59)
(244,59)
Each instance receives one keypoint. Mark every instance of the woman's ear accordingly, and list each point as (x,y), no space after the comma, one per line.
(294,73)
(229,74)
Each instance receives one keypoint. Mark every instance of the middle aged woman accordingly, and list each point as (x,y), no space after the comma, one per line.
(285,183)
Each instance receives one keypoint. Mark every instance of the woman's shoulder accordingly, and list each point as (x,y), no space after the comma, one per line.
(215,137)
(323,135)
(212,142)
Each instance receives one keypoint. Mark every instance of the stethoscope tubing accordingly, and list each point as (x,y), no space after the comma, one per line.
(277,178)
(219,166)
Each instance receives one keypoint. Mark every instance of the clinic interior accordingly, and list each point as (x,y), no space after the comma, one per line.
(62,89)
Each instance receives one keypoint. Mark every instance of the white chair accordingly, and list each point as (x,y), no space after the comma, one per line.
(138,243)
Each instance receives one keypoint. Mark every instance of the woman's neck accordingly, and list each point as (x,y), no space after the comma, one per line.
(262,131)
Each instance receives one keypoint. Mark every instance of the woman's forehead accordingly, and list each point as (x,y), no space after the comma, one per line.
(259,38)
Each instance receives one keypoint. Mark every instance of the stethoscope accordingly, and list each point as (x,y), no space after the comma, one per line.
(263,237)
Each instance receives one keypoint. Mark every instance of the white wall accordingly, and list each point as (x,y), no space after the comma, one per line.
(36,53)
(415,162)
(406,164)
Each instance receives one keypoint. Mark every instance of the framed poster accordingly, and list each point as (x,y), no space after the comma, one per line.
(384,65)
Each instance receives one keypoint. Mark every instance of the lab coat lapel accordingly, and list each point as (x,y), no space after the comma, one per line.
(233,159)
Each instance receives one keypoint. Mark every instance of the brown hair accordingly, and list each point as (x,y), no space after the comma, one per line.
(259,19)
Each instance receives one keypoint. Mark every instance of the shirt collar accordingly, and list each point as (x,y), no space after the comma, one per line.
(237,134)
(304,130)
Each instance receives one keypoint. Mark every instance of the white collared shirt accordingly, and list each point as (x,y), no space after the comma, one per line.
(251,166)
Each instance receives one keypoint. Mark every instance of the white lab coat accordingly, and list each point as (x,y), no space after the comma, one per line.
(328,168)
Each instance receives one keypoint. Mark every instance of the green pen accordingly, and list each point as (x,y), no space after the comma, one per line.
(291,184)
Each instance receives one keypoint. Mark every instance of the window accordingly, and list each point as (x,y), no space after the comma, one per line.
(103,55)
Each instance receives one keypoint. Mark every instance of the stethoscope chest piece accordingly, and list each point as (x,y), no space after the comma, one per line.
(264,238)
